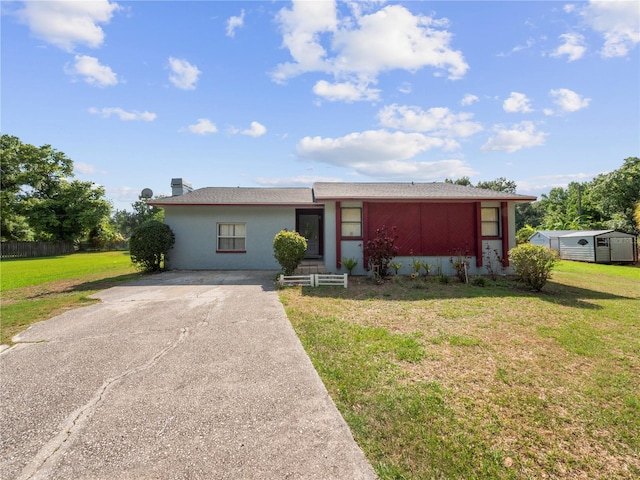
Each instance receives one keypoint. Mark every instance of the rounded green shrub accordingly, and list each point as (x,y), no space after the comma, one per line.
(149,245)
(533,264)
(289,249)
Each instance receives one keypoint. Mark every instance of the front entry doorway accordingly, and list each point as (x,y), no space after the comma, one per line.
(309,224)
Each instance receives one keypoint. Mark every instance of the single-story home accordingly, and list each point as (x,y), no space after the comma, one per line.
(596,246)
(233,228)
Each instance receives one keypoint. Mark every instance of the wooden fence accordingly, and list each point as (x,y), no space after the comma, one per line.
(35,249)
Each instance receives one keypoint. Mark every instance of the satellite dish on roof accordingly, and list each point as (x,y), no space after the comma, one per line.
(147,193)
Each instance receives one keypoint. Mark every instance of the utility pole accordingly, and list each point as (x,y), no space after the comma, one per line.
(579,199)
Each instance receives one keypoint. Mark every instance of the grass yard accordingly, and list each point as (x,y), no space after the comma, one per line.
(460,381)
(39,288)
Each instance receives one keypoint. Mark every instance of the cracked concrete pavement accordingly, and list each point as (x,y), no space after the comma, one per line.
(182,375)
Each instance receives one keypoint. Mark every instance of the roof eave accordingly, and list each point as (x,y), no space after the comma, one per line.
(428,199)
(204,204)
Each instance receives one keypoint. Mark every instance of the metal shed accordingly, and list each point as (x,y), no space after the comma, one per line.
(549,238)
(598,246)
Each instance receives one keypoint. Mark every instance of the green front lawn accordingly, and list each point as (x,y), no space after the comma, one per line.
(461,381)
(37,289)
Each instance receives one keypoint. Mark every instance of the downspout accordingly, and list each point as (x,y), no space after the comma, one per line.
(338,236)
(365,233)
(478,234)
(504,212)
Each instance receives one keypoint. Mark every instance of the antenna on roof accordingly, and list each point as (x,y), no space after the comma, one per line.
(146,193)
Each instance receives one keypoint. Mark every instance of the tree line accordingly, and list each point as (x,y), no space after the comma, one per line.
(610,201)
(41,201)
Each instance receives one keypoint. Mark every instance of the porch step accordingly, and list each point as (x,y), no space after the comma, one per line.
(310,266)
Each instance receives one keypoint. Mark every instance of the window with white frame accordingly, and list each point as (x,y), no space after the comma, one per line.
(490,222)
(232,237)
(351,222)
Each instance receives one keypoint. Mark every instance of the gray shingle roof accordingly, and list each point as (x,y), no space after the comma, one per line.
(409,191)
(335,191)
(240,196)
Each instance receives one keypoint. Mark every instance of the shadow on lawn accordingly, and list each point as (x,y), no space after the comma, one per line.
(362,288)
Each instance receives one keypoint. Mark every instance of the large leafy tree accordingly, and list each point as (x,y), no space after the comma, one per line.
(27,171)
(499,185)
(617,193)
(608,201)
(39,199)
(69,212)
(569,208)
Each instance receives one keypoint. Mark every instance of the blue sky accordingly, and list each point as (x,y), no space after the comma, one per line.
(288,93)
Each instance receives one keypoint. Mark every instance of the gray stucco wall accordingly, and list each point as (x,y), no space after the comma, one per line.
(195,231)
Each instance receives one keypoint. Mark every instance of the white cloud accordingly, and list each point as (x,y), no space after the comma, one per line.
(518,48)
(86,169)
(123,114)
(66,24)
(517,102)
(345,91)
(300,27)
(573,47)
(93,72)
(394,38)
(256,130)
(420,171)
(203,127)
(440,121)
(301,180)
(356,49)
(468,99)
(544,183)
(405,88)
(522,135)
(381,154)
(568,100)
(184,75)
(234,23)
(372,149)
(123,195)
(618,22)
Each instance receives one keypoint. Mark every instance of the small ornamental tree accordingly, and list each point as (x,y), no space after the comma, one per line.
(289,249)
(533,264)
(149,245)
(381,250)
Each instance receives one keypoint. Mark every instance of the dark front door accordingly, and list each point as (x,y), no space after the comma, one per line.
(309,225)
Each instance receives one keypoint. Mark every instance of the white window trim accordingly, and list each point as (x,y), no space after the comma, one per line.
(350,222)
(496,222)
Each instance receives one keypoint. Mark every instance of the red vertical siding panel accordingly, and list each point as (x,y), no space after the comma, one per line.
(405,217)
(437,229)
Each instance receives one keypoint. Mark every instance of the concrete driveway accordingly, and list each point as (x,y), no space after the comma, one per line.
(182,375)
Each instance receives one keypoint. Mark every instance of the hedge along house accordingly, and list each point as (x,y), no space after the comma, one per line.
(233,228)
